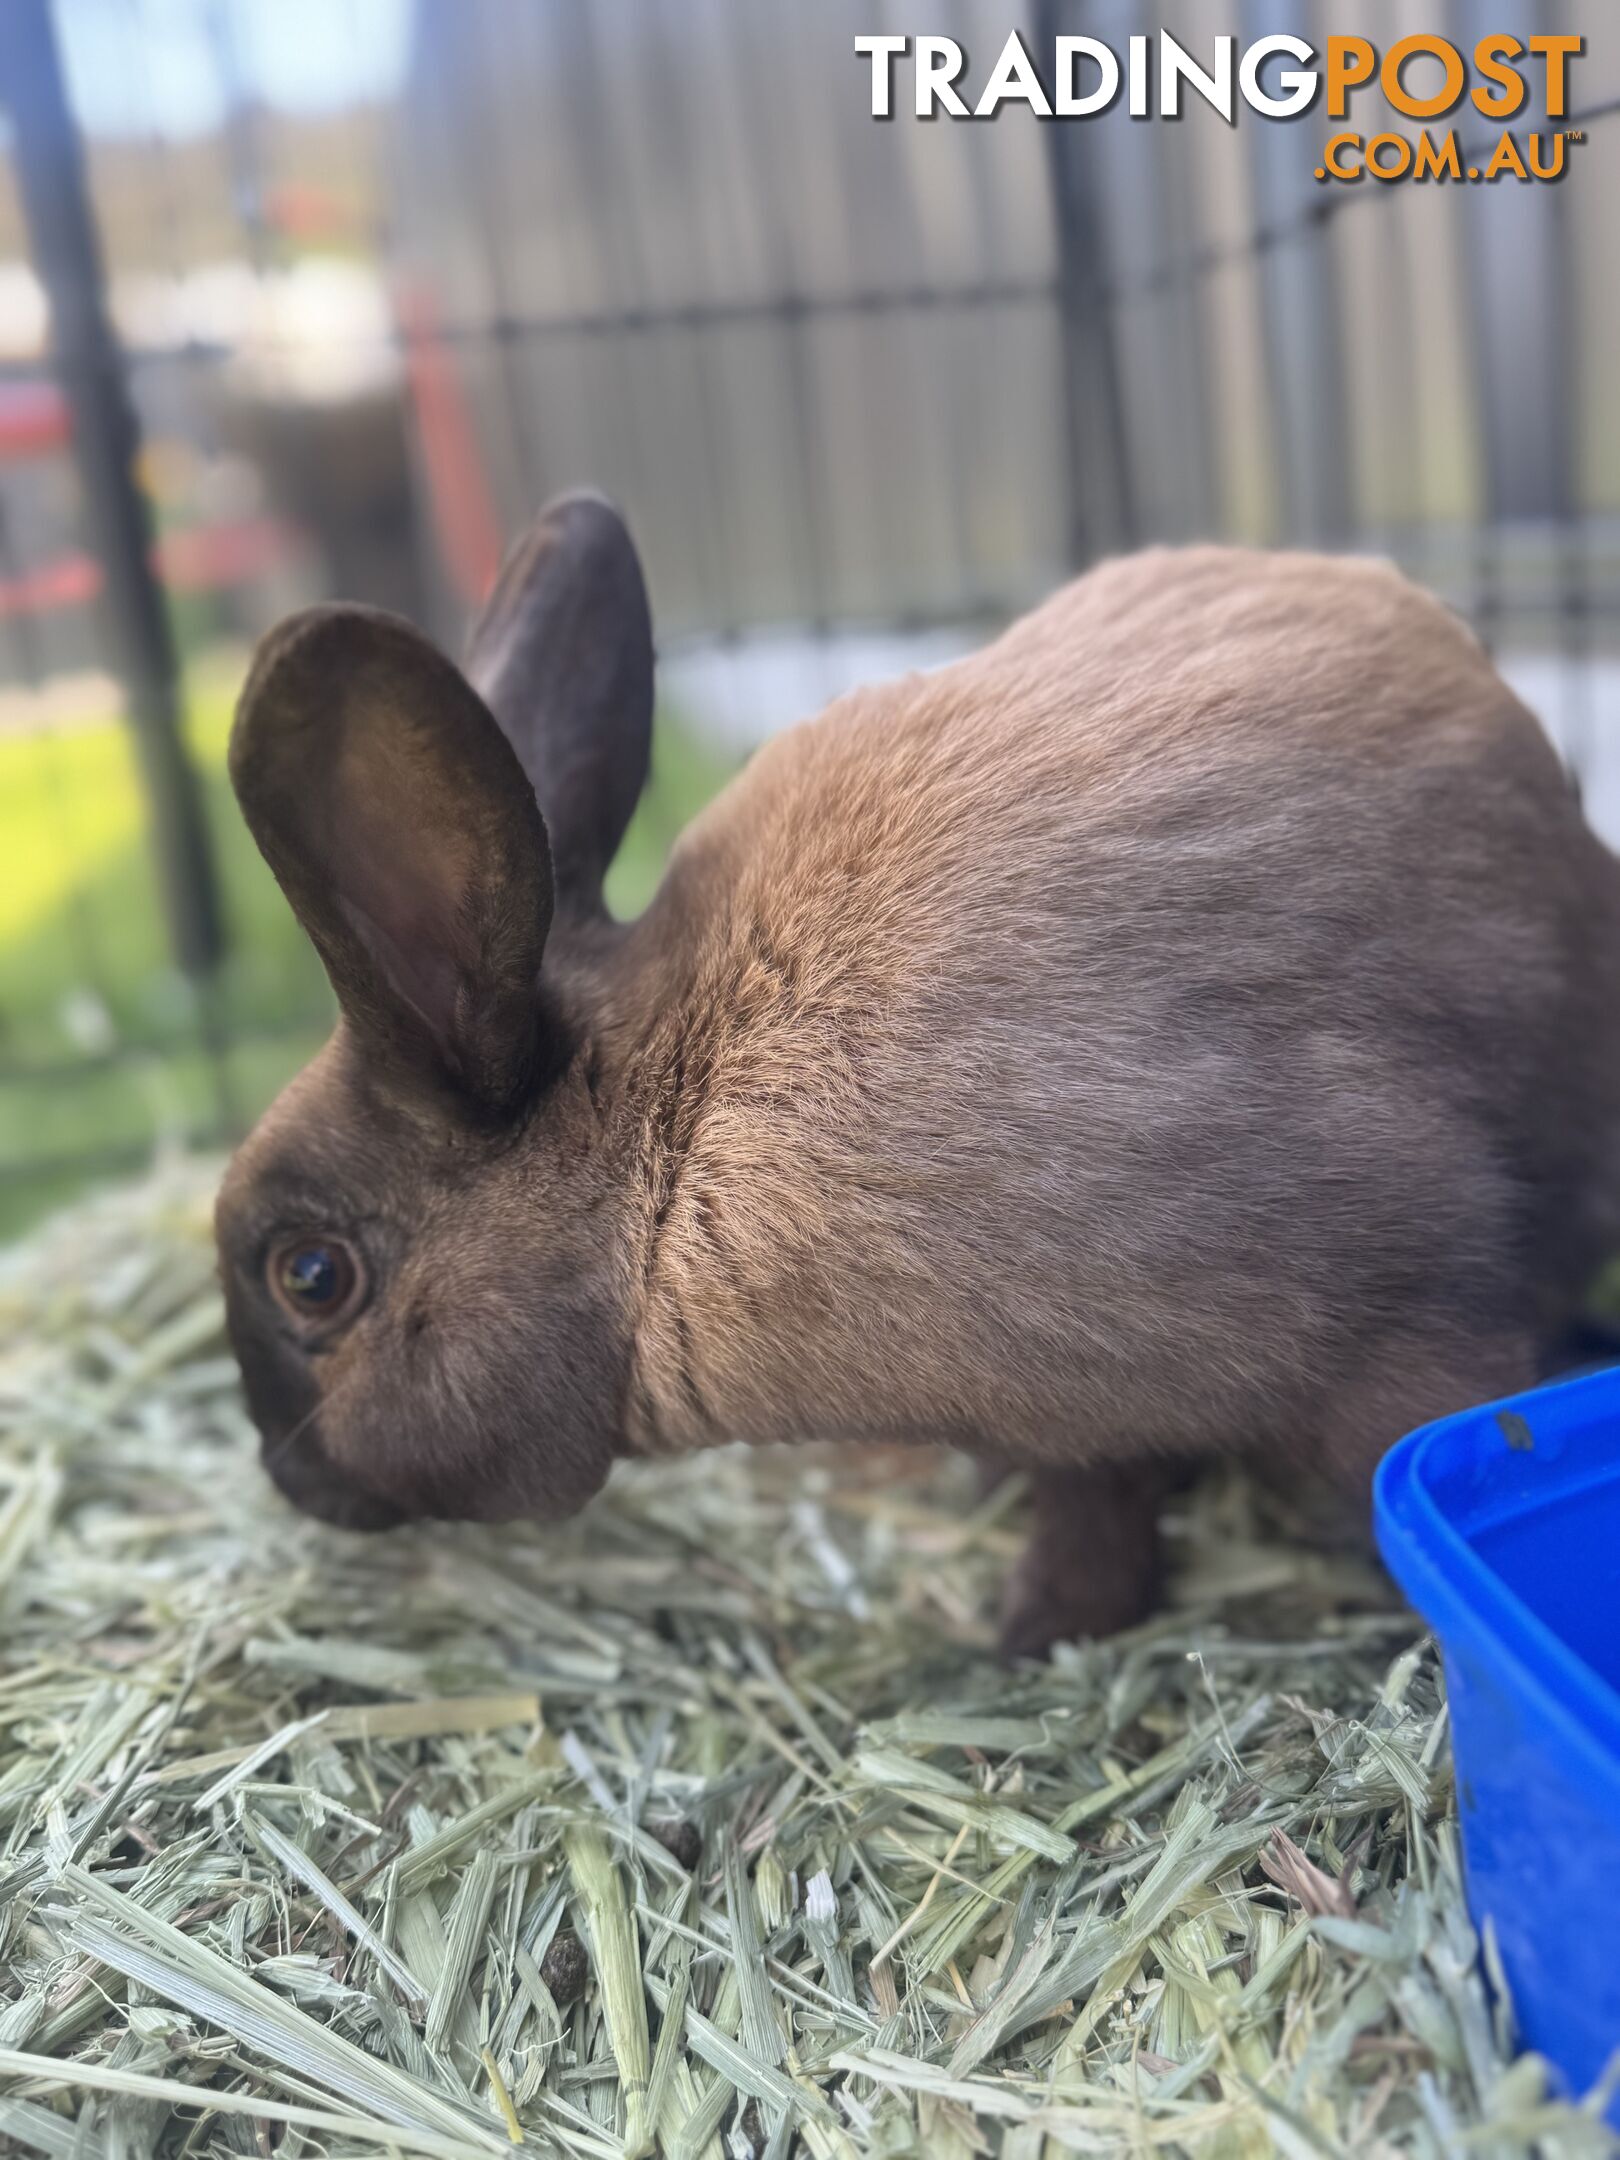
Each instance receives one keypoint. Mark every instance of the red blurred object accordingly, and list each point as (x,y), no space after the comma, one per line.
(464,514)
(69,581)
(208,558)
(306,211)
(193,558)
(33,420)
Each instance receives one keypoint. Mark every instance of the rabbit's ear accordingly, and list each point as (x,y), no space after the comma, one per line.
(563,654)
(400,825)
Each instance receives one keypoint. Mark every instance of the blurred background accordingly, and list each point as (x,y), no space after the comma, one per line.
(351,286)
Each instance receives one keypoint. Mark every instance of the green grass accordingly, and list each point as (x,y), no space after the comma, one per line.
(102,1052)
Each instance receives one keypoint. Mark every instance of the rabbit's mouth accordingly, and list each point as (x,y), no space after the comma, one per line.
(286,1405)
(291,1450)
(303,1473)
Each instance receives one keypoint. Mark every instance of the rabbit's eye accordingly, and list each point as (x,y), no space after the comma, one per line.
(315,1279)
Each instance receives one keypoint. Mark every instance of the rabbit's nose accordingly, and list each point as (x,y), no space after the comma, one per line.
(311,1483)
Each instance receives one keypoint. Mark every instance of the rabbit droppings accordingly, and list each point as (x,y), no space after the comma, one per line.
(1189,1027)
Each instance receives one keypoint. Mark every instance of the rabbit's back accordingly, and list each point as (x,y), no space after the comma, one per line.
(1131,1023)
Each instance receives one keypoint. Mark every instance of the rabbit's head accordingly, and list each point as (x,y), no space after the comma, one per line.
(425,1273)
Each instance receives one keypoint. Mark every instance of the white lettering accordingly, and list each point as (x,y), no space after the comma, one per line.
(1013,76)
(881,52)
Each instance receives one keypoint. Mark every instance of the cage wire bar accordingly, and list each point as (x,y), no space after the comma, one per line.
(1115,317)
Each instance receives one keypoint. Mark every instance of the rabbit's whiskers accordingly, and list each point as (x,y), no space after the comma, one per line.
(296,1431)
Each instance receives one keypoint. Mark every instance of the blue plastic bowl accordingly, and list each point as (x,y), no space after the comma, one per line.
(1502,1525)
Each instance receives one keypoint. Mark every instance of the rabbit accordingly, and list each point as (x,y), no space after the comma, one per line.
(1188,1028)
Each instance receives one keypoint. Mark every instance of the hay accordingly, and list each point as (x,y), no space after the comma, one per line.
(311,1844)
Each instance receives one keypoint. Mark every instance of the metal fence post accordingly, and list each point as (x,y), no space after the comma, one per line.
(56,204)
(1101,509)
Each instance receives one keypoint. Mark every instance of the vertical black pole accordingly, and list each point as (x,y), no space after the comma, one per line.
(51,177)
(1098,517)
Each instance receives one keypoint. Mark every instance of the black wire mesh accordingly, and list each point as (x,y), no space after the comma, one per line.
(845,377)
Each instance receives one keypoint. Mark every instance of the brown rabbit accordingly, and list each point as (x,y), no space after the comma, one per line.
(1189,1027)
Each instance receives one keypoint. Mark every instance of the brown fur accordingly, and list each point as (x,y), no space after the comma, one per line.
(1189,1027)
